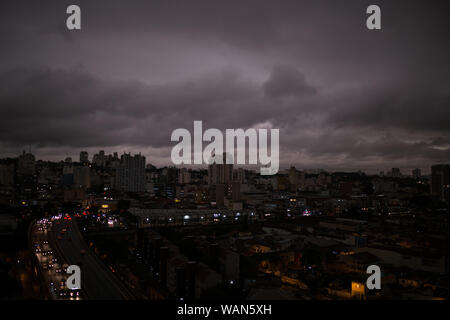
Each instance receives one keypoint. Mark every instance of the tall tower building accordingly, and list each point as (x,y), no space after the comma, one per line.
(240,175)
(26,164)
(82,177)
(184,176)
(440,182)
(294,176)
(7,174)
(99,159)
(221,173)
(395,173)
(84,157)
(130,174)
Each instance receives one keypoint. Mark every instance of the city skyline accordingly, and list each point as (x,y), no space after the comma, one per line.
(405,171)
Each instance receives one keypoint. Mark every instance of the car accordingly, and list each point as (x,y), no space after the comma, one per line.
(74,293)
(62,292)
(44,266)
(62,284)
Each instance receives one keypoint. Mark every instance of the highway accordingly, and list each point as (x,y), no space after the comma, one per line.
(97,281)
(50,264)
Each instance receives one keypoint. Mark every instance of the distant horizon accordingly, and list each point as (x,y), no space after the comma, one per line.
(405,171)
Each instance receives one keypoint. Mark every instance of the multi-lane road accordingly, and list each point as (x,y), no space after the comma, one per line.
(50,263)
(97,281)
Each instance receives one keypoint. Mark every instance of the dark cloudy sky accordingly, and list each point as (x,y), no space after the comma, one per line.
(343,97)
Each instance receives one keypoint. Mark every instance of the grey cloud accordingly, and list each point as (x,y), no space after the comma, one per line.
(422,109)
(341,95)
(285,81)
(67,107)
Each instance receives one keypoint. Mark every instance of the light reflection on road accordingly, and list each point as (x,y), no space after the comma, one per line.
(51,265)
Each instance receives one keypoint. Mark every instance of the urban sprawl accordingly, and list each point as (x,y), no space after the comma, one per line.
(142,232)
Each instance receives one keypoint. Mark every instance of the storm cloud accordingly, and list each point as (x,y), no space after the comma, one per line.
(344,97)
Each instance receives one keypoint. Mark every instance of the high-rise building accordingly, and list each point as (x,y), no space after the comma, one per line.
(239,175)
(395,173)
(236,191)
(416,173)
(130,174)
(26,164)
(184,176)
(84,157)
(82,177)
(220,173)
(7,174)
(99,159)
(217,193)
(440,182)
(293,176)
(67,175)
